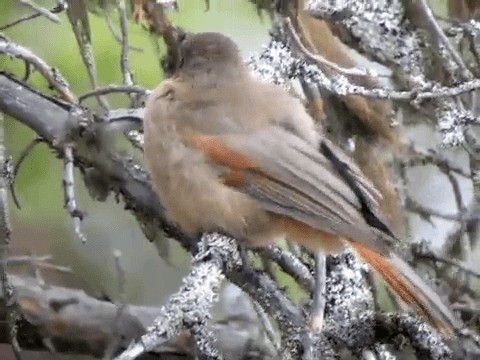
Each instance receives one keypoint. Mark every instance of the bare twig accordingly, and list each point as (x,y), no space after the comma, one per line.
(468,308)
(325,62)
(20,260)
(37,262)
(420,156)
(128,89)
(437,32)
(115,35)
(52,75)
(422,253)
(18,165)
(127,76)
(121,306)
(121,277)
(318,307)
(69,192)
(267,326)
(19,21)
(42,11)
(55,10)
(78,16)
(292,266)
(426,213)
(340,85)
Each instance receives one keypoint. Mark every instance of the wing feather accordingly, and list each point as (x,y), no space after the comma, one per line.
(288,176)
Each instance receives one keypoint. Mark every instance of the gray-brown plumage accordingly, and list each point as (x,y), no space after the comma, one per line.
(230,153)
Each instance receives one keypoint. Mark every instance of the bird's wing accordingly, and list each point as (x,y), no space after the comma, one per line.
(288,176)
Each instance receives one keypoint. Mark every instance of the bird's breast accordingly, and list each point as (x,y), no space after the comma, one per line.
(191,191)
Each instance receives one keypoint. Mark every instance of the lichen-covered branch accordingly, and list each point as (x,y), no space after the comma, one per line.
(383,32)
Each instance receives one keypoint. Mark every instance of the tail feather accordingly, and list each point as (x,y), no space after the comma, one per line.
(403,280)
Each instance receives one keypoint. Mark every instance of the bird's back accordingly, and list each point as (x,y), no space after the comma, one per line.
(236,110)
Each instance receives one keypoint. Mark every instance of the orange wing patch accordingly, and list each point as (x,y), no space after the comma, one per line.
(234,178)
(216,151)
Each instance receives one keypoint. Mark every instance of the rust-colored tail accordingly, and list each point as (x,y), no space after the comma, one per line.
(403,280)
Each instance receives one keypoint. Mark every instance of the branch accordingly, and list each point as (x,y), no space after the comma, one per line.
(55,121)
(348,295)
(6,286)
(69,193)
(397,42)
(41,11)
(201,288)
(113,89)
(78,323)
(52,75)
(57,9)
(78,15)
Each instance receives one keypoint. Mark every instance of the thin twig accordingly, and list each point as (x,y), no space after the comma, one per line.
(420,156)
(436,30)
(9,178)
(121,306)
(267,326)
(52,75)
(115,35)
(468,308)
(121,278)
(370,278)
(426,212)
(55,10)
(452,262)
(18,165)
(83,42)
(69,192)
(38,261)
(128,89)
(291,265)
(318,307)
(42,11)
(21,260)
(466,242)
(429,90)
(319,59)
(127,76)
(19,21)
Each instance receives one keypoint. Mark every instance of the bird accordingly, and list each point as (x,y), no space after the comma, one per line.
(230,153)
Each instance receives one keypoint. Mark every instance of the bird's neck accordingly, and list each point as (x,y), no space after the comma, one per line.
(215,76)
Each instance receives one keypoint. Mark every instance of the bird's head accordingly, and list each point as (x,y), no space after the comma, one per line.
(209,53)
